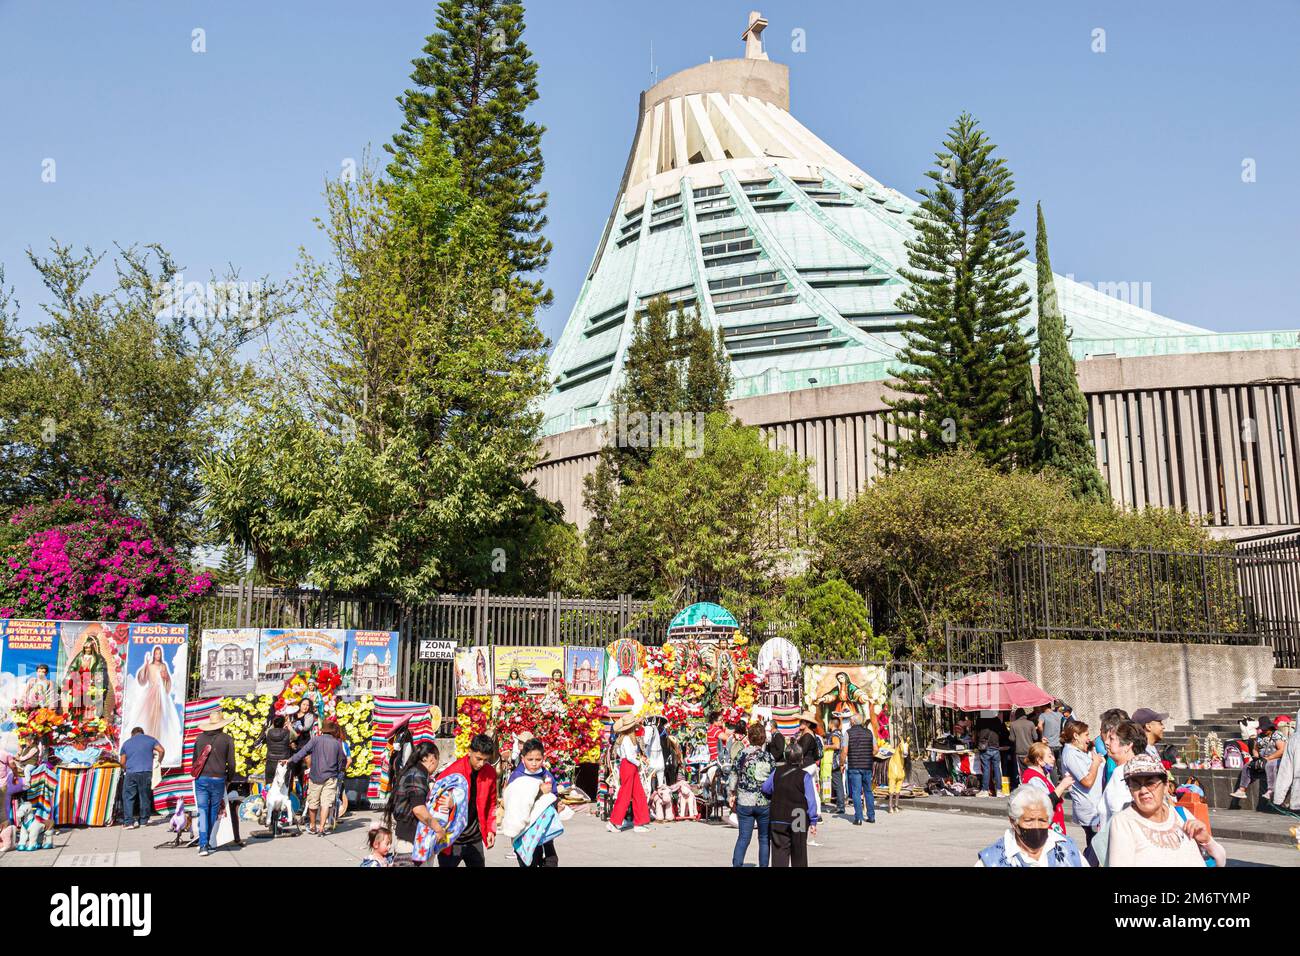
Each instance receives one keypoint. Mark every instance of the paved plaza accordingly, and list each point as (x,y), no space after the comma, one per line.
(910,838)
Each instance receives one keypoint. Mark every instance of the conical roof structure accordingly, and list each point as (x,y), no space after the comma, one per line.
(728,203)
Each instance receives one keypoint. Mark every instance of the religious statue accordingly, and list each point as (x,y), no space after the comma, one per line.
(553,701)
(516,680)
(725,674)
(88,688)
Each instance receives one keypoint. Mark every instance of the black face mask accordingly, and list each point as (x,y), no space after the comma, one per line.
(1034,839)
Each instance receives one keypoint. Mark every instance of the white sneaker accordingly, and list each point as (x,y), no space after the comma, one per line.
(1238,794)
(611,828)
(640,829)
(205,852)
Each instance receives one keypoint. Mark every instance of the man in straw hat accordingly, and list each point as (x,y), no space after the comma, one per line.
(212,767)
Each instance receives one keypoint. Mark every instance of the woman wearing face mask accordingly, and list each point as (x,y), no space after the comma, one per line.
(1152,831)
(1038,773)
(1030,840)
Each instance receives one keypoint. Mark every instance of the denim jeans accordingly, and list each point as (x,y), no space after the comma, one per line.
(137,797)
(748,818)
(860,782)
(209,792)
(991,764)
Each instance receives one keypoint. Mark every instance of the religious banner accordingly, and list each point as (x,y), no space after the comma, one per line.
(855,690)
(283,652)
(91,657)
(625,662)
(474,672)
(781,672)
(157,656)
(530,668)
(228,662)
(29,653)
(371,657)
(584,670)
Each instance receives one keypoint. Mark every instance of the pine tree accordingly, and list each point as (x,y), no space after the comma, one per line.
(1065,443)
(708,371)
(234,565)
(476,79)
(964,362)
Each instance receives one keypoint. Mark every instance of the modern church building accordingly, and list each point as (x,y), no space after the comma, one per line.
(730,205)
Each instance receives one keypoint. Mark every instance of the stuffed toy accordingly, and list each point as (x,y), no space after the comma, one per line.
(7,835)
(32,831)
(1249,727)
(687,808)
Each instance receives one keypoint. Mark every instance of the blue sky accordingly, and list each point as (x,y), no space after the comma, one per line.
(1136,152)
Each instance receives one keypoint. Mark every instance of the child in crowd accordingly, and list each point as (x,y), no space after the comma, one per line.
(532,763)
(380,842)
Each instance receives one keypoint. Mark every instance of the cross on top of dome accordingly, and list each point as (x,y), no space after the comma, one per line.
(753,36)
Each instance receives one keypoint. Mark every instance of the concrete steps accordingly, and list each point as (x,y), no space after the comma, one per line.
(1270,702)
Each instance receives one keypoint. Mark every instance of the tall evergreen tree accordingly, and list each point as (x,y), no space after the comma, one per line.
(708,371)
(965,359)
(1065,443)
(476,79)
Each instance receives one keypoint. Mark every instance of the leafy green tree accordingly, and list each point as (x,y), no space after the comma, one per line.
(921,540)
(385,447)
(1065,443)
(475,81)
(128,385)
(965,361)
(827,619)
(717,519)
(674,368)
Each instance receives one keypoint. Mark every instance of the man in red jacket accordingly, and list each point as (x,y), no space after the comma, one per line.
(481,831)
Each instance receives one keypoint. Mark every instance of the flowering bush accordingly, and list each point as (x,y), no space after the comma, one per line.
(80,558)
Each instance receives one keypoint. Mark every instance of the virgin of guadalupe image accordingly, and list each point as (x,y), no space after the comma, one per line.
(151,703)
(845,699)
(480,669)
(88,684)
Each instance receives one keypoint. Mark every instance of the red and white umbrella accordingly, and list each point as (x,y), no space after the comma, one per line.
(990,690)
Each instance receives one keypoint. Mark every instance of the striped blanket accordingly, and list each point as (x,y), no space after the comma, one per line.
(389,713)
(177,786)
(87,796)
(787,721)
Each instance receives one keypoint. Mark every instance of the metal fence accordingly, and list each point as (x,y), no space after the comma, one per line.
(480,618)
(1247,596)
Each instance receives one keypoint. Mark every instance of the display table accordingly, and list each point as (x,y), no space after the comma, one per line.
(76,796)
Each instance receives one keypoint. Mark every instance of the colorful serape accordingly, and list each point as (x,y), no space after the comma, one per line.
(390,713)
(786,720)
(177,786)
(87,796)
(42,790)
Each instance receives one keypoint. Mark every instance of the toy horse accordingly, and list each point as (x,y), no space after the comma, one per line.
(897,774)
(33,832)
(278,802)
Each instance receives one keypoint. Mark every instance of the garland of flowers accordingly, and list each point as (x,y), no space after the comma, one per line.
(684,691)
(473,716)
(327,680)
(570,728)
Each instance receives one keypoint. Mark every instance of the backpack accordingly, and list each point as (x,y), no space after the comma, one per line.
(1232,757)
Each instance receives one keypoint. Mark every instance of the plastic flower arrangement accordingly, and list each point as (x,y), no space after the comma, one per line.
(248,718)
(356,718)
(473,715)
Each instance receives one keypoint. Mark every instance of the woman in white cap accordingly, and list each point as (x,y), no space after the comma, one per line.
(631,792)
(1151,831)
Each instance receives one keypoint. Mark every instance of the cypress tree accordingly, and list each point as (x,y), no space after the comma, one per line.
(1065,443)
(708,367)
(476,79)
(965,360)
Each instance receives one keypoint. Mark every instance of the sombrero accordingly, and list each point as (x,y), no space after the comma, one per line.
(215,721)
(626,722)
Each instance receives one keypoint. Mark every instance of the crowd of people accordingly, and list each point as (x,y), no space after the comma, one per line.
(1123,800)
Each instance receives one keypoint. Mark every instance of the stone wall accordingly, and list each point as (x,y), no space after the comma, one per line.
(1183,680)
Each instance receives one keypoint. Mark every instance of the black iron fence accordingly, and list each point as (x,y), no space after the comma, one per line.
(1246,596)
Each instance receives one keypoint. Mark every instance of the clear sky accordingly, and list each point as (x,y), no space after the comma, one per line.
(1136,152)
